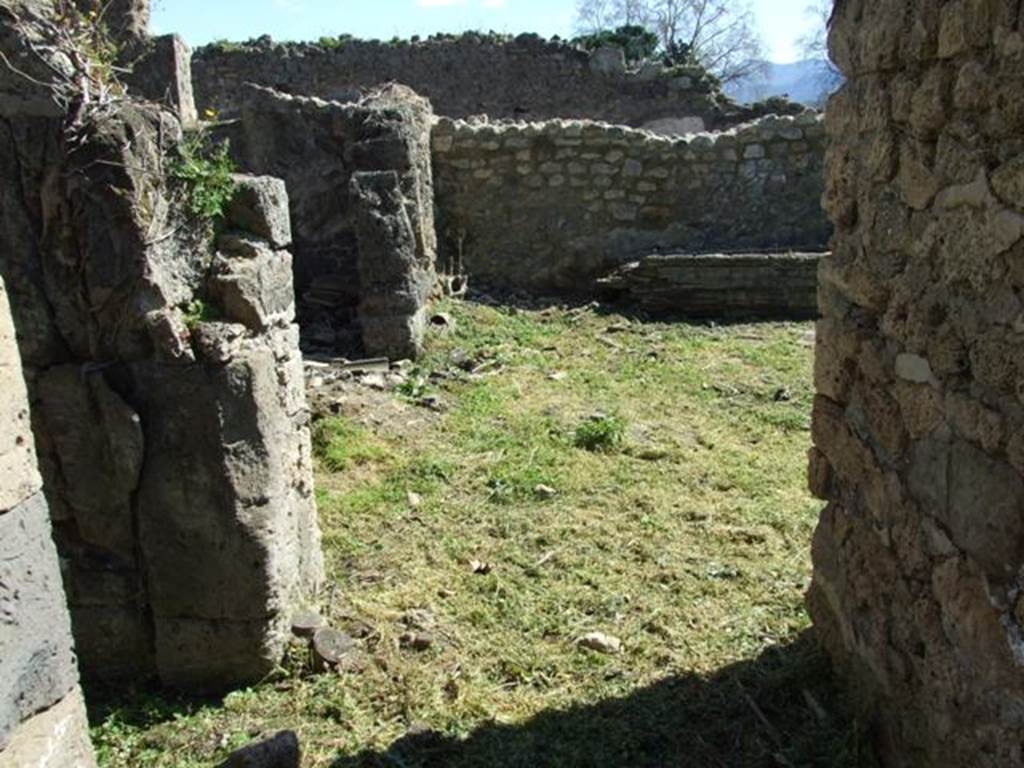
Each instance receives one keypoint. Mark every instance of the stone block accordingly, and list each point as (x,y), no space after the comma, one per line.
(608,60)
(396,284)
(254,287)
(260,207)
(161,71)
(98,443)
(57,737)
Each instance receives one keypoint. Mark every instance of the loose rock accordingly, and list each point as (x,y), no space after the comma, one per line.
(601,643)
(280,751)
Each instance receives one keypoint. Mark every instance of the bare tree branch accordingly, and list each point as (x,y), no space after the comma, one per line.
(718,34)
(814,46)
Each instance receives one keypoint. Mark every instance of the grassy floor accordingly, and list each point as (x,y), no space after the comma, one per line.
(586,474)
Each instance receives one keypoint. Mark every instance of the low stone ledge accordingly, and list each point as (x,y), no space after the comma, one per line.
(721,286)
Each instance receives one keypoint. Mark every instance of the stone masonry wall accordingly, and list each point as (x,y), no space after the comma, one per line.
(42,718)
(919,417)
(553,206)
(165,381)
(364,257)
(524,77)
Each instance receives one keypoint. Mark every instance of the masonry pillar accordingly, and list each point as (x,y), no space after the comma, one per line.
(918,587)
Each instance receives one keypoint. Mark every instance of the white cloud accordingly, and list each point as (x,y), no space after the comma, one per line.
(439,3)
(493,4)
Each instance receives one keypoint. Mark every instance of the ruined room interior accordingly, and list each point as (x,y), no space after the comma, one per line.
(495,400)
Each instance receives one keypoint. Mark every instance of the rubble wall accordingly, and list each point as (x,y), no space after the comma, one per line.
(41,711)
(553,206)
(919,417)
(525,77)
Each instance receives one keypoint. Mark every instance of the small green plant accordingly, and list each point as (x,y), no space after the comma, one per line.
(205,169)
(601,432)
(195,312)
(227,46)
(636,42)
(332,43)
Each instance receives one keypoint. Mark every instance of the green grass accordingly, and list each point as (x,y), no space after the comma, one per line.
(689,541)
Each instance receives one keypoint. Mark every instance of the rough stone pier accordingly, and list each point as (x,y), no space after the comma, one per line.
(919,418)
(165,385)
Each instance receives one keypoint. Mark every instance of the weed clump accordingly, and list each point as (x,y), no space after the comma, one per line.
(601,432)
(206,171)
(197,311)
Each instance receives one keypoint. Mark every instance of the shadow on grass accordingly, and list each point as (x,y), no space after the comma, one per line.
(780,709)
(142,706)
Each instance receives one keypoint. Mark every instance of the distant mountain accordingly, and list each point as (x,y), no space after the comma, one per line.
(804,81)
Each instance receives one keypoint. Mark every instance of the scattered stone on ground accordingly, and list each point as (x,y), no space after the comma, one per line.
(545,491)
(306,623)
(417,641)
(279,751)
(601,643)
(330,647)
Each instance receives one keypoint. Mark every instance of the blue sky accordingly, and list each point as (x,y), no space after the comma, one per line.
(200,21)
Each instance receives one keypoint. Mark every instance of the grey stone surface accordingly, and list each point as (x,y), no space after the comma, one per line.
(227,523)
(395,283)
(317,147)
(98,444)
(917,589)
(608,60)
(55,738)
(18,468)
(37,666)
(279,751)
(175,456)
(260,206)
(161,71)
(253,284)
(128,20)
